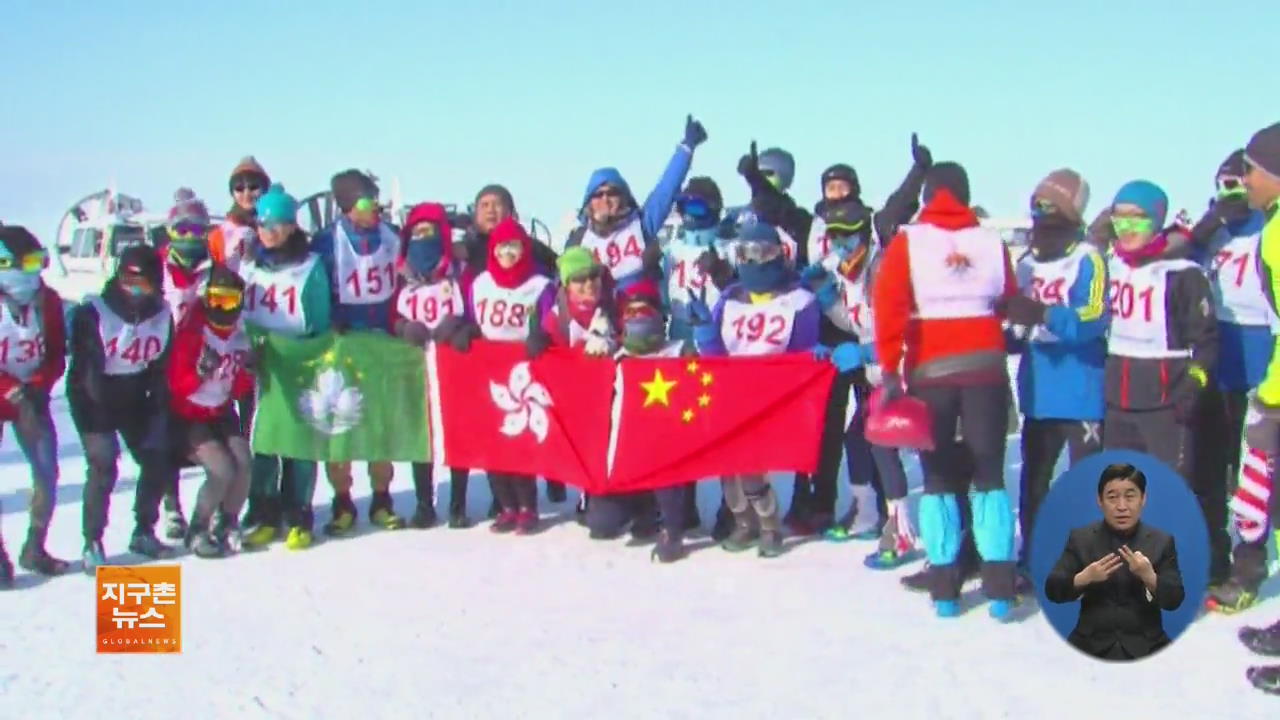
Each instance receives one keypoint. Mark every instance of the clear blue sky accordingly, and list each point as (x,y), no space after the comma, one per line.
(450,96)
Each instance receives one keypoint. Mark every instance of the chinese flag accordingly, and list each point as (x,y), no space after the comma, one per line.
(493,409)
(686,419)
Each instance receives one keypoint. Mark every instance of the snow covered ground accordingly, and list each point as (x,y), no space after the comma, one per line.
(462,624)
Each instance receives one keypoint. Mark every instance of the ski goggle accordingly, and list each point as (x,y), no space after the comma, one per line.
(1132,225)
(424,231)
(1043,208)
(757,252)
(1231,187)
(220,298)
(135,283)
(188,231)
(32,262)
(693,206)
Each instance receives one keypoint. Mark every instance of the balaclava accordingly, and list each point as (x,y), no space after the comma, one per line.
(137,279)
(509,231)
(19,270)
(644,329)
(1057,214)
(427,255)
(188,227)
(760,276)
(950,176)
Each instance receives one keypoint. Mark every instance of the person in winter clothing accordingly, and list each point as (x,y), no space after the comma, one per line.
(492,205)
(696,257)
(286,294)
(117,385)
(186,265)
(1163,344)
(208,368)
(32,331)
(1226,242)
(229,241)
(500,304)
(1058,323)
(360,253)
(429,306)
(1262,183)
(766,312)
(622,234)
(583,315)
(934,317)
(814,498)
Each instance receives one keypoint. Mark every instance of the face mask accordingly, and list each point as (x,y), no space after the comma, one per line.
(643,334)
(188,254)
(761,277)
(424,255)
(1051,235)
(19,285)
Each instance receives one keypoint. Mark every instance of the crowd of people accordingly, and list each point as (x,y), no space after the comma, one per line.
(1135,331)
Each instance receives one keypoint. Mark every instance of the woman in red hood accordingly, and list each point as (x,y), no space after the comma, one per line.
(428,307)
(500,302)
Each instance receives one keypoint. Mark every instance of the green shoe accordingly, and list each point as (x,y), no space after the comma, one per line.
(342,524)
(837,533)
(261,536)
(1230,598)
(387,519)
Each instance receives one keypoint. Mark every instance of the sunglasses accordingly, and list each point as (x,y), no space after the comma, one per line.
(188,231)
(757,252)
(223,298)
(247,187)
(606,193)
(32,262)
(1132,225)
(694,207)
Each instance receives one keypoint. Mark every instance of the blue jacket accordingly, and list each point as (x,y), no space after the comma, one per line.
(1064,380)
(376,316)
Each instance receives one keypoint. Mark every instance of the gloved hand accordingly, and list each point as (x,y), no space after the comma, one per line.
(446,328)
(1021,310)
(821,352)
(699,313)
(1187,394)
(704,335)
(892,388)
(849,356)
(538,340)
(414,333)
(920,155)
(208,362)
(749,164)
(716,268)
(827,294)
(694,133)
(461,339)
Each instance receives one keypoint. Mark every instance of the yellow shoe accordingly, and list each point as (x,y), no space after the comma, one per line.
(386,519)
(298,539)
(260,536)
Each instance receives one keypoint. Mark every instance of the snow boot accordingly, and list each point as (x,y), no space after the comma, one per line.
(890,559)
(724,524)
(1000,609)
(1264,641)
(459,521)
(93,556)
(670,547)
(946,608)
(1266,679)
(743,537)
(201,541)
(382,514)
(1230,597)
(527,522)
(556,492)
(494,509)
(770,544)
(505,522)
(262,522)
(343,519)
(299,538)
(226,530)
(862,522)
(645,527)
(580,512)
(424,516)
(144,542)
(38,560)
(424,490)
(175,525)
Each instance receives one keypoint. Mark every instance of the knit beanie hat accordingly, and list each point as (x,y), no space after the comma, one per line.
(500,191)
(780,163)
(1263,150)
(18,240)
(248,169)
(1233,166)
(1066,191)
(948,175)
(277,207)
(840,171)
(350,186)
(187,208)
(706,190)
(1146,195)
(575,261)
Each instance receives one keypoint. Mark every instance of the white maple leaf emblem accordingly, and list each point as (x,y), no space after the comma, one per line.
(331,406)
(523,402)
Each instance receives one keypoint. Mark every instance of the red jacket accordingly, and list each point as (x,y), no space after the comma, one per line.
(893,301)
(188,341)
(54,363)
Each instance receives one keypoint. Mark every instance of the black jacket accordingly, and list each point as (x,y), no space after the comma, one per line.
(1151,384)
(101,403)
(1117,610)
(475,253)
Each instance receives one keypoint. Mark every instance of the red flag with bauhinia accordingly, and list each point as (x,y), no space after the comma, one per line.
(686,419)
(494,409)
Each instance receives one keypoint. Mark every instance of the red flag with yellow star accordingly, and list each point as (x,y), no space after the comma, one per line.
(685,419)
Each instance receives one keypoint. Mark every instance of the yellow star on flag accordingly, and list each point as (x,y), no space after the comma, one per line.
(687,416)
(706,379)
(704,400)
(658,389)
(692,367)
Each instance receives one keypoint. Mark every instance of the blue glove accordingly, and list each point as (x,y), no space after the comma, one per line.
(822,352)
(869,354)
(827,295)
(694,133)
(704,335)
(699,313)
(848,356)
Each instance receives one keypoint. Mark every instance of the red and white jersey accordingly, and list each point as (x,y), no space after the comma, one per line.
(503,313)
(762,328)
(273,296)
(1139,324)
(233,352)
(1237,286)
(128,348)
(621,252)
(182,299)
(430,303)
(955,273)
(22,342)
(365,279)
(235,239)
(854,298)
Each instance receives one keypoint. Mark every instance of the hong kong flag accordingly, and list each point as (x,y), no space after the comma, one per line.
(493,409)
(686,419)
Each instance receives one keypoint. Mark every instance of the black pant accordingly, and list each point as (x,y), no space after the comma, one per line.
(425,488)
(1155,432)
(515,492)
(1219,426)
(102,453)
(816,494)
(1042,443)
(879,467)
(608,515)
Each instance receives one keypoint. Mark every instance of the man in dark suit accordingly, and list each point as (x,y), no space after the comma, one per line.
(1122,571)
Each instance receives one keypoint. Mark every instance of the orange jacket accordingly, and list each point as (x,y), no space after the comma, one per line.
(922,341)
(218,241)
